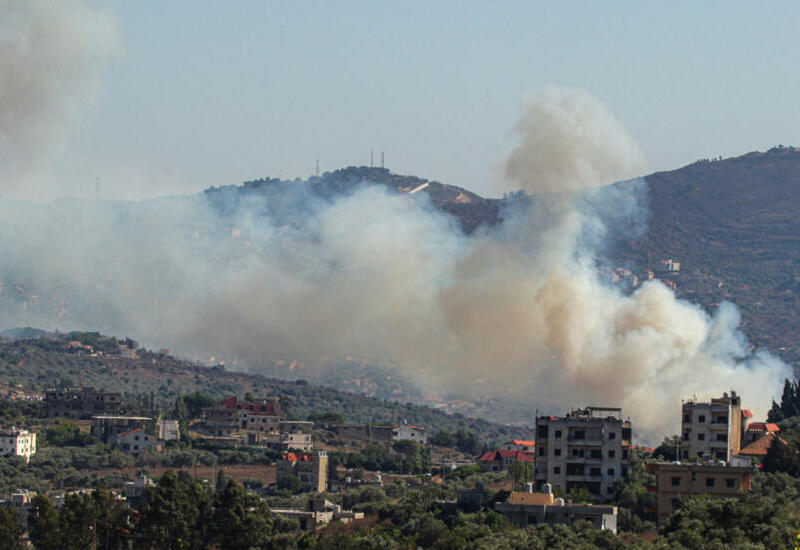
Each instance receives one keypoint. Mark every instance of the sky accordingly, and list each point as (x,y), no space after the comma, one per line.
(202,94)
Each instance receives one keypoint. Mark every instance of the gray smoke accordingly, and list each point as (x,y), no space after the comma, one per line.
(517,308)
(51,56)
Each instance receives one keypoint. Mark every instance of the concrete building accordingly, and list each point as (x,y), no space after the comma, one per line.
(382,433)
(319,512)
(502,459)
(135,442)
(525,445)
(22,501)
(588,448)
(106,428)
(297,435)
(231,415)
(711,429)
(757,430)
(15,442)
(403,432)
(81,403)
(525,509)
(675,480)
(310,469)
(168,430)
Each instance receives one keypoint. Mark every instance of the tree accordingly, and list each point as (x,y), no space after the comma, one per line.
(240,520)
(43,525)
(782,457)
(668,450)
(289,483)
(521,472)
(10,529)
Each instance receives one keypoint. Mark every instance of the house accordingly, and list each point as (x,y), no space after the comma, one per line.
(319,512)
(675,480)
(757,430)
(760,446)
(15,442)
(502,459)
(81,403)
(525,509)
(586,449)
(712,429)
(382,433)
(296,435)
(168,430)
(524,445)
(136,489)
(135,442)
(106,428)
(310,469)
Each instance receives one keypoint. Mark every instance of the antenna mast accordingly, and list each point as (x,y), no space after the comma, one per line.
(371,155)
(317,171)
(382,166)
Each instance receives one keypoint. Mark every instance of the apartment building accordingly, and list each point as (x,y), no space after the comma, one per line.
(81,403)
(297,435)
(310,469)
(136,442)
(712,429)
(674,480)
(168,430)
(586,449)
(16,442)
(230,415)
(107,428)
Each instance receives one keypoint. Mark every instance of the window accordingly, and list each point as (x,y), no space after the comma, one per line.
(675,481)
(624,454)
(610,471)
(557,452)
(596,453)
(722,437)
(612,454)
(541,451)
(612,435)
(557,470)
(709,482)
(673,503)
(687,418)
(686,436)
(558,434)
(594,472)
(701,418)
(701,437)
(730,482)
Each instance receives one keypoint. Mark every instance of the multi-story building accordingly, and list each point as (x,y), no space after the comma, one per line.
(711,429)
(135,442)
(106,428)
(674,480)
(81,403)
(297,435)
(382,433)
(525,445)
(402,432)
(310,469)
(586,449)
(525,509)
(15,442)
(230,415)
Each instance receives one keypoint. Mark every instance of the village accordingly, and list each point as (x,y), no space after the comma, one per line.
(570,471)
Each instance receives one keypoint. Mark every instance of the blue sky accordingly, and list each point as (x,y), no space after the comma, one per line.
(213,93)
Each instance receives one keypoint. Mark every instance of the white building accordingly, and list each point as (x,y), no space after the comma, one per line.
(168,430)
(136,441)
(412,433)
(18,443)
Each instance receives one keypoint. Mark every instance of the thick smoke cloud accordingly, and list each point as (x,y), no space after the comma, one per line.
(389,279)
(51,56)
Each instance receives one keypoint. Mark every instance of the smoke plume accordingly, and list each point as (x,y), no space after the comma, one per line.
(51,56)
(390,279)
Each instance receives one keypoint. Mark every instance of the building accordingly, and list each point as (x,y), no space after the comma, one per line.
(22,501)
(319,512)
(230,415)
(675,480)
(106,428)
(16,442)
(525,509)
(757,430)
(586,449)
(525,445)
(382,433)
(297,435)
(502,459)
(310,469)
(407,432)
(136,489)
(711,429)
(81,403)
(135,442)
(168,430)
(758,449)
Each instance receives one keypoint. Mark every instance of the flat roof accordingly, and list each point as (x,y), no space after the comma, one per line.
(103,417)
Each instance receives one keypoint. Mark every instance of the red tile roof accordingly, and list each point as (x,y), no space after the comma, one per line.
(294,457)
(746,413)
(760,447)
(526,442)
(763,427)
(490,456)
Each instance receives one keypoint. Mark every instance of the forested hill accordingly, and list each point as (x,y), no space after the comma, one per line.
(734,226)
(57,360)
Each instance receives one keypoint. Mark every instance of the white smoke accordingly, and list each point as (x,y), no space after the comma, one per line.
(51,56)
(390,279)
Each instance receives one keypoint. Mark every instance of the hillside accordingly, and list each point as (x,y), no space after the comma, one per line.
(120,365)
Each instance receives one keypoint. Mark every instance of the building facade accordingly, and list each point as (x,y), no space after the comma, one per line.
(526,509)
(502,459)
(106,428)
(297,435)
(711,429)
(231,415)
(674,481)
(168,430)
(16,442)
(81,403)
(586,449)
(136,442)
(310,469)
